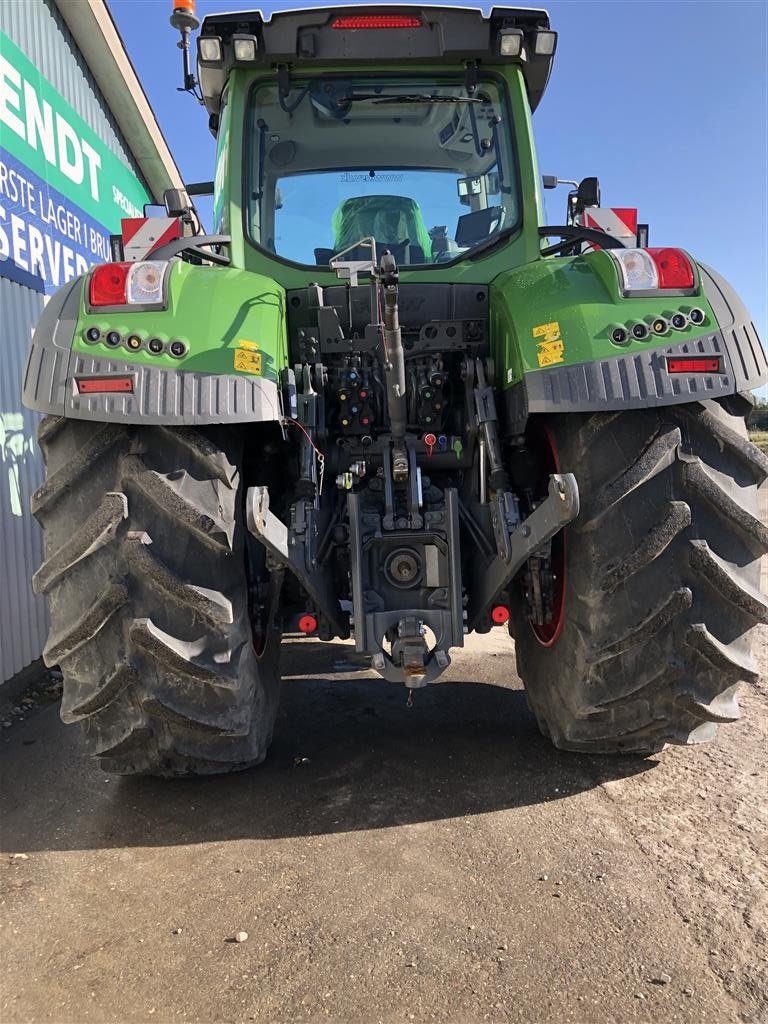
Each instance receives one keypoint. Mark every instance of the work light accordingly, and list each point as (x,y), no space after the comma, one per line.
(510,42)
(244,49)
(545,43)
(209,49)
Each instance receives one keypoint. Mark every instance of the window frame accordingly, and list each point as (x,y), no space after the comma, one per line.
(248,165)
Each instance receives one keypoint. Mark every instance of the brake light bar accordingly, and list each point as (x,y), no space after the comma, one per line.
(356,21)
(694,364)
(104,385)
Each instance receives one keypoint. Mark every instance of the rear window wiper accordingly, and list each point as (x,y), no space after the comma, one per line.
(408,97)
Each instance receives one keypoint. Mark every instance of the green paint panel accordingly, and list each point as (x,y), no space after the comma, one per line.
(215,311)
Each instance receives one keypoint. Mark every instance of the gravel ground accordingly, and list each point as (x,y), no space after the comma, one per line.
(441,862)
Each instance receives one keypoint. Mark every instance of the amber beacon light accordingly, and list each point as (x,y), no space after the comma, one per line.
(184,19)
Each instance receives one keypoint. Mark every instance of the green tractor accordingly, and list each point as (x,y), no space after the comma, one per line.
(385,400)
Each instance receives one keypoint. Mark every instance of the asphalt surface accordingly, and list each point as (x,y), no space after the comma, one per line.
(440,862)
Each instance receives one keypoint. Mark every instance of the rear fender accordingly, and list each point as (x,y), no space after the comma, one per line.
(552,324)
(232,327)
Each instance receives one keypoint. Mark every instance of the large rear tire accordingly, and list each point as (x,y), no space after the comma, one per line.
(145,575)
(661,584)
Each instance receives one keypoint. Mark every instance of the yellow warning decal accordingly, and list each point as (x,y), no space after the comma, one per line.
(247,357)
(551,348)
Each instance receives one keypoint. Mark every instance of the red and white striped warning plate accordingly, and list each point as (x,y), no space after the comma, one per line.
(142,235)
(618,221)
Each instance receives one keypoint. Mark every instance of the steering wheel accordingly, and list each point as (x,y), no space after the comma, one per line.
(574,233)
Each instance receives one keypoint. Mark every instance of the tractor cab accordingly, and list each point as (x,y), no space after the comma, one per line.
(407,126)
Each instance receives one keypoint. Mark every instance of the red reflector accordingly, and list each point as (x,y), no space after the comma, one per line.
(98,385)
(107,287)
(694,364)
(307,624)
(675,271)
(500,614)
(376,21)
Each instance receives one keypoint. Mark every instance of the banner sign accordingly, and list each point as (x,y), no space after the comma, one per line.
(45,240)
(62,191)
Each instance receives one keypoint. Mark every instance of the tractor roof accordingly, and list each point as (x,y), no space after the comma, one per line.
(324,36)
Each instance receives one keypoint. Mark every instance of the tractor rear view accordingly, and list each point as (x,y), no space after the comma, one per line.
(384,400)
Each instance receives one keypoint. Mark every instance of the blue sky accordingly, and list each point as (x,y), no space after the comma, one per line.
(666,102)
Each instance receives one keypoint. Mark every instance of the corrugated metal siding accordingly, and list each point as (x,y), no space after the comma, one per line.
(38,29)
(23,616)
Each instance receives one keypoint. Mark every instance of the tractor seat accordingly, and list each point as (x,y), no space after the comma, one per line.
(394,221)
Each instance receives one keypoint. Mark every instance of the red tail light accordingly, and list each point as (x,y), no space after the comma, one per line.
(674,269)
(355,21)
(695,364)
(109,283)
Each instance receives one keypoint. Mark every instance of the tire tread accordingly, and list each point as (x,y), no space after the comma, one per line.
(663,570)
(149,598)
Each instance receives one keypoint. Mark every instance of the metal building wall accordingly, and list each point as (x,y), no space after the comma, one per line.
(38,29)
(23,616)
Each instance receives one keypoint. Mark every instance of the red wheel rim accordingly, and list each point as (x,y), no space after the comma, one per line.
(548,634)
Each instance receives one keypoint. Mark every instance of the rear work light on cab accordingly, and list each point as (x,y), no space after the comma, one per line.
(128,284)
(357,21)
(649,271)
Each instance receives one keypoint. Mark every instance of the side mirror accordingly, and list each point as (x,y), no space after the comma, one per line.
(177,202)
(549,180)
(588,193)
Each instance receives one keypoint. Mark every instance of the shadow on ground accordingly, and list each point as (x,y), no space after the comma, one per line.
(348,754)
